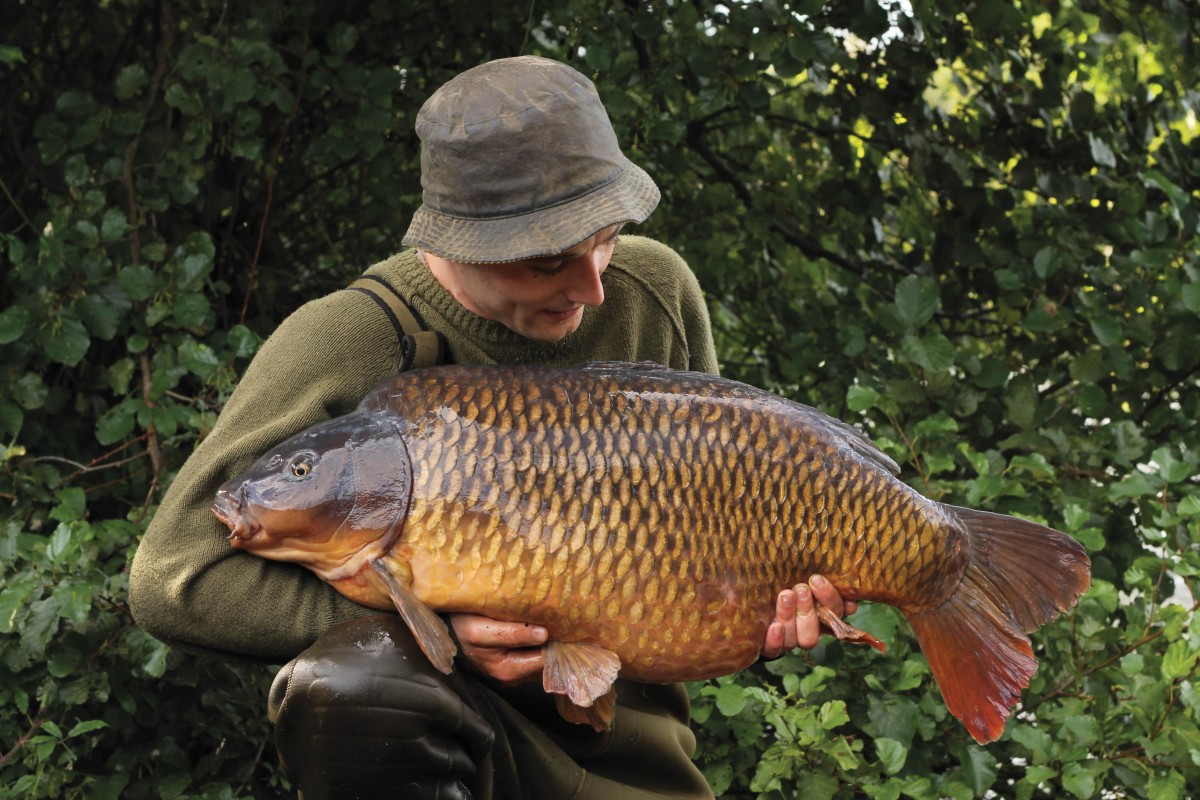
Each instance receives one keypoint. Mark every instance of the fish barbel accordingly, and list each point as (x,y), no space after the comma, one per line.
(647,518)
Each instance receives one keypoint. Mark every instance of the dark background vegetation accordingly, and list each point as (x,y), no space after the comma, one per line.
(970,228)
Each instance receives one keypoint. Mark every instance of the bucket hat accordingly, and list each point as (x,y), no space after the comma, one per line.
(519,160)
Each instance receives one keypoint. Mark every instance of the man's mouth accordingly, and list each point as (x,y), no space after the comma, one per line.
(562,316)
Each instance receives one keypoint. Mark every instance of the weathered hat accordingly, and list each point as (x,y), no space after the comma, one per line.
(518,160)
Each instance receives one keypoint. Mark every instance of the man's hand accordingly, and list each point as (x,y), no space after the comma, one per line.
(796,623)
(507,652)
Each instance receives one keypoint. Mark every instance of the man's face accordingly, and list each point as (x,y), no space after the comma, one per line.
(539,298)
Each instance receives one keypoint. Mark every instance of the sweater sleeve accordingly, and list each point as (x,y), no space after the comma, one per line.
(188,586)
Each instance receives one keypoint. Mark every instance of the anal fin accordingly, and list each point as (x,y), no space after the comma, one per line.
(583,675)
(847,633)
(599,714)
(427,627)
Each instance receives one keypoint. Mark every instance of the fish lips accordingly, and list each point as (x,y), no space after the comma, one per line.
(228,508)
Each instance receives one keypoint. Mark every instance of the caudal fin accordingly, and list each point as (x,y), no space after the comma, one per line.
(1021,575)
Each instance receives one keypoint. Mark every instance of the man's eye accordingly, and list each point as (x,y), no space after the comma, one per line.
(548,269)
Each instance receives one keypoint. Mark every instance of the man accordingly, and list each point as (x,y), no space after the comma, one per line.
(516,257)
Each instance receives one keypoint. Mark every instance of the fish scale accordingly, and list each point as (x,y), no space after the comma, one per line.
(647,518)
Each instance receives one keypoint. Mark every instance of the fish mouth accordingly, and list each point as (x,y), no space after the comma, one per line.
(228,509)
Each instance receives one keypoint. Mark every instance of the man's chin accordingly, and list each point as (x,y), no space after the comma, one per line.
(551,331)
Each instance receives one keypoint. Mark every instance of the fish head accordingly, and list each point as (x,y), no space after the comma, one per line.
(330,498)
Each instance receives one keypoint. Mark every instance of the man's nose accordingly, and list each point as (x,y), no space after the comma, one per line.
(585,286)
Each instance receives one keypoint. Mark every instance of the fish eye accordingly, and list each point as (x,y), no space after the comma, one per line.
(302,466)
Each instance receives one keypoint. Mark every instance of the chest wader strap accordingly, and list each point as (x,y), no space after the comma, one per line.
(419,347)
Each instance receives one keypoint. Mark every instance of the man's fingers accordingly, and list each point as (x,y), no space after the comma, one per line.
(508,667)
(474,630)
(826,595)
(507,652)
(785,614)
(773,647)
(808,626)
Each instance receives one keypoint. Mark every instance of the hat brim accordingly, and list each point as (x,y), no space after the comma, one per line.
(544,232)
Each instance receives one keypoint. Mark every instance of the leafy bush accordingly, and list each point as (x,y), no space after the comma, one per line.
(970,229)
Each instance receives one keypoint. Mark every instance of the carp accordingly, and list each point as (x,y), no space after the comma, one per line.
(647,518)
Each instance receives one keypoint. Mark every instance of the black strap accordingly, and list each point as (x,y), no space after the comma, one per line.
(419,346)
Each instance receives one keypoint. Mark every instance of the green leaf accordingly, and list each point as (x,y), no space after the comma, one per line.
(1082,729)
(155,664)
(1035,740)
(892,754)
(114,225)
(87,726)
(191,309)
(12,600)
(179,97)
(731,699)
(1191,296)
(40,626)
(933,351)
(63,661)
(1079,781)
(12,323)
(1102,153)
(117,423)
(1108,330)
(130,81)
(1044,262)
(11,55)
(72,505)
(719,777)
(1021,402)
(892,717)
(66,341)
(342,38)
(29,391)
(833,714)
(198,358)
(1168,785)
(243,341)
(138,282)
(842,752)
(1179,660)
(171,787)
(192,270)
(814,785)
(917,300)
(101,317)
(860,398)
(1037,775)
(979,768)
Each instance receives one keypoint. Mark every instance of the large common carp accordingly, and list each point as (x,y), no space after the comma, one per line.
(647,518)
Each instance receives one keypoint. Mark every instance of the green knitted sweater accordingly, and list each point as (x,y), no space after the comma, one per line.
(189,587)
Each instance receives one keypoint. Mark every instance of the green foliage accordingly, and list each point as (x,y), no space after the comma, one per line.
(971,229)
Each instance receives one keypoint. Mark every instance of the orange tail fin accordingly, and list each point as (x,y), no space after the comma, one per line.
(1021,575)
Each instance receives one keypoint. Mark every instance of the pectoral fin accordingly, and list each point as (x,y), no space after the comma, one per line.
(847,633)
(584,674)
(427,627)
